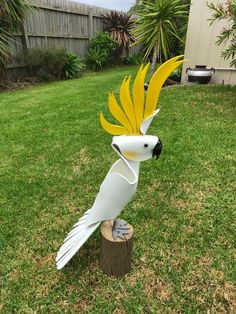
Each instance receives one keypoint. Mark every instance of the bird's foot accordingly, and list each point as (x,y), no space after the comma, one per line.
(120,229)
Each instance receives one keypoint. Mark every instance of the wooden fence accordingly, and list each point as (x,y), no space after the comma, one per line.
(57,23)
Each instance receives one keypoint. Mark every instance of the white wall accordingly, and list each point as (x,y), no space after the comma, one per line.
(200,44)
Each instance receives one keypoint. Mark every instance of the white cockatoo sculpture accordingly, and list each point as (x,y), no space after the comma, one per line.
(133,146)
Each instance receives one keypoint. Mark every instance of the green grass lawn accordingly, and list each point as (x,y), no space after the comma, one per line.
(53,158)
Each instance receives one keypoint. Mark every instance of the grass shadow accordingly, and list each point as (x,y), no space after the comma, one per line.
(86,261)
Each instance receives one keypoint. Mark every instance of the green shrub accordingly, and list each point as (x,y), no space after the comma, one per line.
(103,42)
(133,59)
(176,75)
(102,51)
(178,71)
(96,59)
(52,63)
(73,65)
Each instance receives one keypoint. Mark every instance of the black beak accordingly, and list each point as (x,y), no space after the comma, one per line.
(157,149)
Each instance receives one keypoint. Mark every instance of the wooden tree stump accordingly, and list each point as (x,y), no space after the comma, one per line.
(115,255)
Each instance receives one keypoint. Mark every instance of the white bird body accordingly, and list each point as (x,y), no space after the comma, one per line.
(132,146)
(116,191)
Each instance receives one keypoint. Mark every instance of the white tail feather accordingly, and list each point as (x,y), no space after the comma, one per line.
(76,230)
(72,235)
(74,240)
(70,239)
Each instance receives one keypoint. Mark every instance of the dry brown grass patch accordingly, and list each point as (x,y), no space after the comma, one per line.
(154,185)
(186,186)
(156,287)
(45,261)
(14,275)
(119,311)
(82,305)
(82,160)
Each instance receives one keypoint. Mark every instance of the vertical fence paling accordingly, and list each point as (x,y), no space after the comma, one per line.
(57,23)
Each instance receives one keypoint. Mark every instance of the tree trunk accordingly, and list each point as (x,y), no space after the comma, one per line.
(154,60)
(115,255)
(3,72)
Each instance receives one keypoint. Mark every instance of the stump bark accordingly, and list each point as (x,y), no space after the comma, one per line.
(115,255)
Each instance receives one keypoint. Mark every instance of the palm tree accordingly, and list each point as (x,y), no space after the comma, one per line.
(156,26)
(12,15)
(119,26)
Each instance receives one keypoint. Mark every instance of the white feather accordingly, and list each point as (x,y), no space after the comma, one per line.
(66,252)
(78,232)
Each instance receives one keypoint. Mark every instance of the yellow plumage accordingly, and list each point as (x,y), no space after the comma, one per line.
(133,111)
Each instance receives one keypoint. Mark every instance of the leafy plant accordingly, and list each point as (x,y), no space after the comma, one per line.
(156,26)
(228,34)
(32,58)
(50,64)
(176,75)
(12,15)
(96,58)
(73,65)
(102,51)
(133,59)
(103,41)
(119,25)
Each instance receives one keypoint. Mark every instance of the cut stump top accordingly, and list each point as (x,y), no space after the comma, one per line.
(106,231)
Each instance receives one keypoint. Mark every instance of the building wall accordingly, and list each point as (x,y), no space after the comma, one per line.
(200,46)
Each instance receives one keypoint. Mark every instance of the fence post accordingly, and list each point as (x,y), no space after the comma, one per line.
(90,22)
(25,37)
(26,45)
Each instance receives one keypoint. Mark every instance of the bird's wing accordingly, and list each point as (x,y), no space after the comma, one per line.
(74,240)
(115,193)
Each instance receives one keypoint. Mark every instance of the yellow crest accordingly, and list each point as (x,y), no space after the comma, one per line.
(134,110)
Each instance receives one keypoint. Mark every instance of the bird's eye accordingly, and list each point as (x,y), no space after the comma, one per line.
(145,145)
